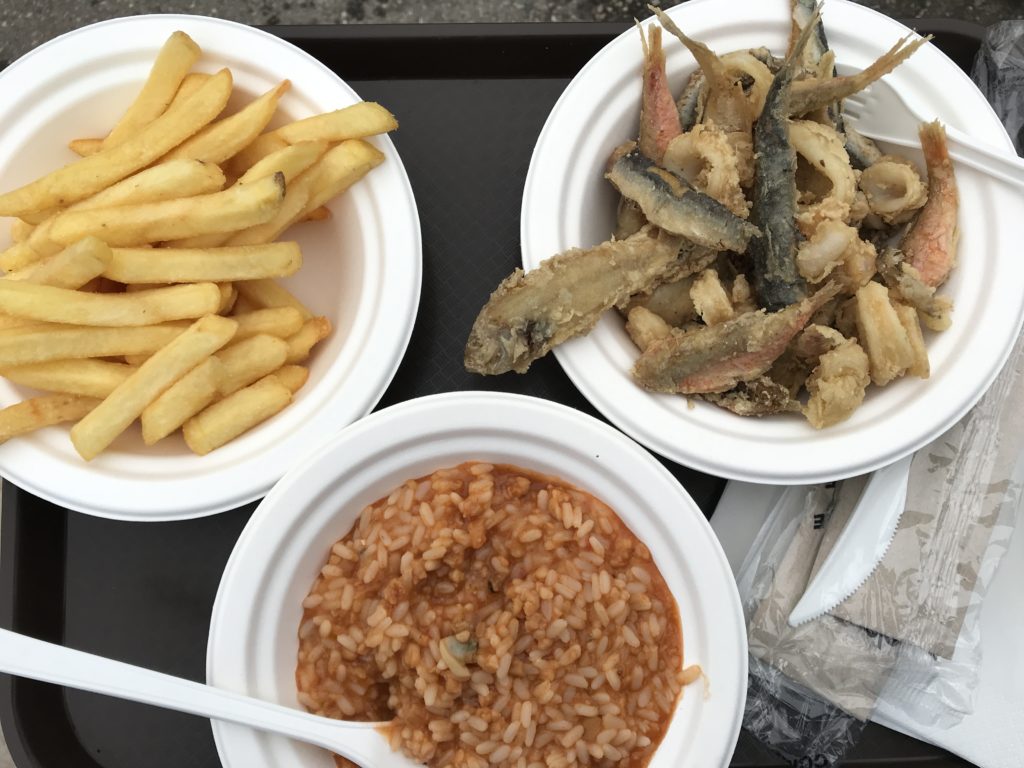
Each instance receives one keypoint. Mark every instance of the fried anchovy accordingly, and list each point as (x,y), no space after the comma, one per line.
(690,104)
(759,397)
(766,57)
(532,312)
(862,150)
(628,219)
(776,278)
(717,357)
(808,95)
(812,61)
(804,12)
(672,203)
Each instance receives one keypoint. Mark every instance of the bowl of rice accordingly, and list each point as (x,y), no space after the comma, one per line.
(504,579)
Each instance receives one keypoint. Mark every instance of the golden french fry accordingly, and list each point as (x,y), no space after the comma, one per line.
(358,121)
(266,294)
(44,303)
(263,145)
(112,416)
(175,59)
(318,214)
(302,342)
(235,208)
(335,172)
(19,256)
(37,412)
(237,413)
(277,321)
(190,265)
(219,141)
(71,268)
(228,295)
(85,147)
(173,179)
(193,82)
(182,400)
(93,378)
(53,342)
(292,160)
(292,376)
(243,306)
(89,175)
(20,230)
(251,359)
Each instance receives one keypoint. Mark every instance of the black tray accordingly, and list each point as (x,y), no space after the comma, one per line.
(471,100)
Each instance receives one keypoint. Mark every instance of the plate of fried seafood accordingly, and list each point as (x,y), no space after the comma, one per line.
(735,277)
(497,578)
(197,218)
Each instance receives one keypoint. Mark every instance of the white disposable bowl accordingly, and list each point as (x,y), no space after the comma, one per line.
(361,267)
(567,203)
(253,631)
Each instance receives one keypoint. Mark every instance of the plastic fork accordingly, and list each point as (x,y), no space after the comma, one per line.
(28,657)
(881,113)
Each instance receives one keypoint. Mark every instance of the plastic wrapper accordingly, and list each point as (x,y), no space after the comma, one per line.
(909,636)
(999,72)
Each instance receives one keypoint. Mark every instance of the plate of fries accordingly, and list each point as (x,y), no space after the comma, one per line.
(212,261)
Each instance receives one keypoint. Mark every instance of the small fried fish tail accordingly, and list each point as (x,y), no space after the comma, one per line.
(933,143)
(808,95)
(659,119)
(726,104)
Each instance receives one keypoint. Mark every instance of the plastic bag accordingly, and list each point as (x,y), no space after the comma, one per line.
(999,73)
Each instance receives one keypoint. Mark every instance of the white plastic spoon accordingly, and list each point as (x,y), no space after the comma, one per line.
(28,657)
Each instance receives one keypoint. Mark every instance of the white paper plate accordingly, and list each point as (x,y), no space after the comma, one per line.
(567,203)
(362,267)
(253,632)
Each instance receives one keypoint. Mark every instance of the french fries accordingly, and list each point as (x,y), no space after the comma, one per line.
(91,174)
(246,361)
(159,247)
(235,414)
(125,404)
(176,178)
(312,331)
(193,265)
(269,293)
(238,207)
(336,171)
(185,398)
(45,303)
(40,343)
(172,64)
(356,122)
(93,378)
(37,412)
(223,139)
(276,321)
(71,268)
